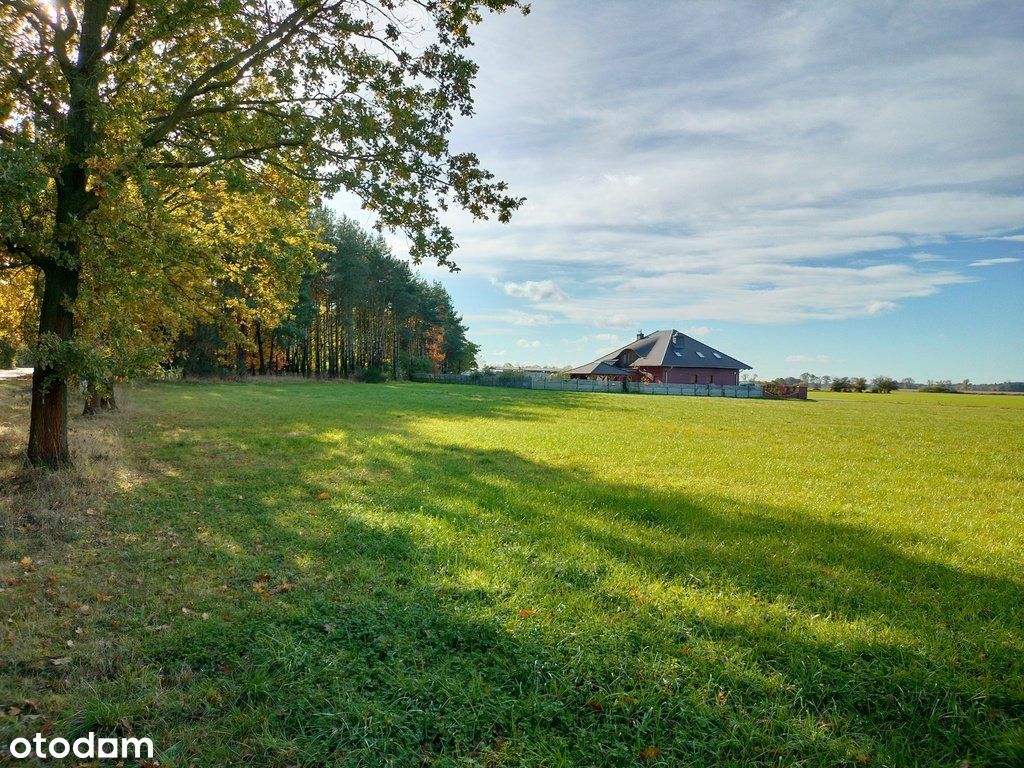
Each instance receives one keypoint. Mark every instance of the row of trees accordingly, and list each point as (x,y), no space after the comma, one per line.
(883,384)
(160,162)
(887,384)
(360,312)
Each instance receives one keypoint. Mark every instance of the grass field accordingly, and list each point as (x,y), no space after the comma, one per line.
(304,574)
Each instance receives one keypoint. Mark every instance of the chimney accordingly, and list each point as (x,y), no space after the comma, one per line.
(639,334)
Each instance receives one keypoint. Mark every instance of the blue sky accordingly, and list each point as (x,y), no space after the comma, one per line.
(826,187)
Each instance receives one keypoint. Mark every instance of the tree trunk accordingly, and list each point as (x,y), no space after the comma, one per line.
(107,400)
(48,428)
(99,397)
(93,401)
(48,425)
(259,348)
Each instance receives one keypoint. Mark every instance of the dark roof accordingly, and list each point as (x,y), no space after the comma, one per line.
(668,349)
(601,368)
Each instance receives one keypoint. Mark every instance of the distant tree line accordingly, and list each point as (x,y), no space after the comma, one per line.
(361,313)
(885,384)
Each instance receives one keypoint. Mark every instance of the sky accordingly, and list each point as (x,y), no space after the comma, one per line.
(827,187)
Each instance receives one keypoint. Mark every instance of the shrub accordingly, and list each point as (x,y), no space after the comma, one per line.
(841,384)
(884,384)
(372,375)
(7,353)
(421,365)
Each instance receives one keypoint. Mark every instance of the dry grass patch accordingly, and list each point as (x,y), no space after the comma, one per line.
(50,506)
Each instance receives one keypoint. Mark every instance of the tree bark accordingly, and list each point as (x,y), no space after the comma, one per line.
(48,421)
(259,348)
(107,400)
(93,402)
(48,427)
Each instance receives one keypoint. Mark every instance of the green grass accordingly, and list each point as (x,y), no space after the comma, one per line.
(312,574)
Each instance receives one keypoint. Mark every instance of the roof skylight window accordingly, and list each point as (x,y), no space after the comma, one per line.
(717,354)
(700,354)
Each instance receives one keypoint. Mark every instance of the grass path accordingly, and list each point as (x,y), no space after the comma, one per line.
(328,574)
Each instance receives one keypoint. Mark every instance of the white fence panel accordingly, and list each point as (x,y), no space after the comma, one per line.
(589,385)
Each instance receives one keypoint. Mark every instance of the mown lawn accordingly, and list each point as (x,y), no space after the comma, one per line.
(311,574)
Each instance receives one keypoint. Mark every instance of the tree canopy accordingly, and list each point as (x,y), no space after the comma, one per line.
(152,152)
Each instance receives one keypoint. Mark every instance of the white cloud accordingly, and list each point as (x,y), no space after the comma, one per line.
(527,343)
(535,290)
(878,307)
(807,358)
(740,166)
(993,262)
(608,337)
(784,137)
(697,330)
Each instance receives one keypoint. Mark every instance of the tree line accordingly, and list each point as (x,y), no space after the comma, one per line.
(360,313)
(886,384)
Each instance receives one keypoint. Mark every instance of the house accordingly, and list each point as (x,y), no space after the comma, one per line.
(537,372)
(664,357)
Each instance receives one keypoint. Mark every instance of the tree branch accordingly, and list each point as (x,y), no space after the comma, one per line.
(242,154)
(126,12)
(243,61)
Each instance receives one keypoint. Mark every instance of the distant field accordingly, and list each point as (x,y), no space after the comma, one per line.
(305,574)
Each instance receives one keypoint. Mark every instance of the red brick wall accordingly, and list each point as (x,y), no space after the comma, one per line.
(703,375)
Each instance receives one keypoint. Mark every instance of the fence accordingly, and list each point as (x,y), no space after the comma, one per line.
(588,385)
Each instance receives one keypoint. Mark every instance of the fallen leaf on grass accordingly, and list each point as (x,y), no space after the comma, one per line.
(525,613)
(324,496)
(61,661)
(649,754)
(25,562)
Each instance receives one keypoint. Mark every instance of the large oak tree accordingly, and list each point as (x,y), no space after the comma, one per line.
(128,114)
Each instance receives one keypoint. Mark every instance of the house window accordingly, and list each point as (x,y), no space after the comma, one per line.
(694,377)
(699,353)
(717,354)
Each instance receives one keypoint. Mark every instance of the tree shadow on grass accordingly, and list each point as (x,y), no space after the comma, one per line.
(445,605)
